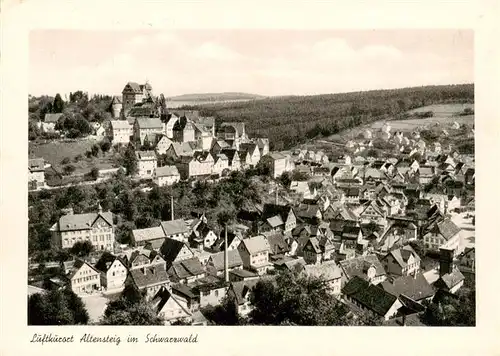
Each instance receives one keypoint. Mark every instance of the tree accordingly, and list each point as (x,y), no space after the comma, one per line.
(58,105)
(225,313)
(130,160)
(130,309)
(94,150)
(69,169)
(297,299)
(105,145)
(452,310)
(56,307)
(82,248)
(94,173)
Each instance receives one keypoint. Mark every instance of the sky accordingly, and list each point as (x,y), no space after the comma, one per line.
(265,62)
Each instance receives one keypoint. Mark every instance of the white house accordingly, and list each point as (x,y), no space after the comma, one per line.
(146,163)
(166,175)
(113,271)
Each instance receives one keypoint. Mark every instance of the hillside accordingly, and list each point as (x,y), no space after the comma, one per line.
(292,120)
(213,97)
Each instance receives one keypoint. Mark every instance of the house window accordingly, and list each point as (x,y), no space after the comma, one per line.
(216,293)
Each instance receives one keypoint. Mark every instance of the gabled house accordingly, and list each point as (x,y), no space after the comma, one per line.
(443,233)
(234,238)
(98,228)
(170,307)
(49,122)
(174,250)
(303,188)
(285,213)
(200,164)
(368,296)
(373,212)
(318,249)
(415,287)
(166,175)
(176,229)
(183,130)
(163,145)
(240,291)
(234,162)
(351,235)
(366,267)
(143,258)
(179,150)
(215,264)
(221,163)
(202,237)
(113,271)
(119,131)
(36,170)
(426,174)
(146,163)
(145,126)
(278,163)
(186,270)
(83,278)
(149,279)
(254,253)
(329,271)
(152,234)
(309,213)
(403,261)
(253,152)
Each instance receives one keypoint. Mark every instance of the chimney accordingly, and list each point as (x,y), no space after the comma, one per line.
(226,262)
(144,271)
(445,261)
(276,196)
(99,207)
(172,208)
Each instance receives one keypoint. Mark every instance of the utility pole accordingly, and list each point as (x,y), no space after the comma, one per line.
(226,258)
(172,207)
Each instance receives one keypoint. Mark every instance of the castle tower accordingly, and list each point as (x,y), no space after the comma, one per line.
(116,106)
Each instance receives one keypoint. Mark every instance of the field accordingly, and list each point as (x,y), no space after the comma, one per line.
(55,151)
(444,115)
(441,110)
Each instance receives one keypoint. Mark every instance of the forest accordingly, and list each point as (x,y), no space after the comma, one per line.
(291,120)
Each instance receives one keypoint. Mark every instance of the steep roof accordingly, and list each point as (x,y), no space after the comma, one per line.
(277,243)
(370,296)
(182,149)
(149,276)
(134,86)
(447,228)
(174,227)
(145,155)
(166,171)
(82,221)
(170,249)
(451,279)
(401,255)
(36,164)
(106,260)
(120,124)
(270,210)
(186,268)
(52,118)
(77,265)
(256,244)
(233,257)
(150,233)
(357,266)
(416,288)
(327,270)
(145,123)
